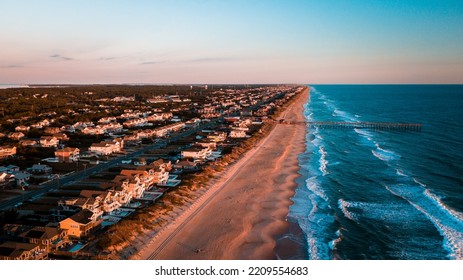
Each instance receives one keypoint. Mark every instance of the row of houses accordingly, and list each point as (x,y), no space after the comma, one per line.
(155,132)
(88,212)
(11,175)
(44,141)
(100,129)
(31,242)
(128,185)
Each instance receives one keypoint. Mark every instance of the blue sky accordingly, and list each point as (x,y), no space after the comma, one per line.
(213,41)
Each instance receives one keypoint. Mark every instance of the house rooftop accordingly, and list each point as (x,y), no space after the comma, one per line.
(41,233)
(15,249)
(82,217)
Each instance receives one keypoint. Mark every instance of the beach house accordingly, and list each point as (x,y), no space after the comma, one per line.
(16,135)
(41,171)
(22,128)
(48,238)
(107,147)
(49,141)
(11,250)
(237,134)
(6,151)
(80,224)
(61,137)
(196,152)
(22,179)
(217,136)
(67,154)
(27,143)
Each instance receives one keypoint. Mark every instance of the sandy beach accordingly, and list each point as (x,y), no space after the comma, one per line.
(243,212)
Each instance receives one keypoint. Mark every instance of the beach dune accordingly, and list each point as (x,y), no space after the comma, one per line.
(246,209)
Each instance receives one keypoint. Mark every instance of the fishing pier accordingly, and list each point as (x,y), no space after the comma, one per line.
(359,125)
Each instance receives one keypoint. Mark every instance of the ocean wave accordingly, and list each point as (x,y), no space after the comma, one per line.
(317,221)
(436,199)
(344,115)
(367,137)
(329,104)
(333,243)
(363,133)
(309,117)
(316,142)
(313,90)
(400,173)
(323,162)
(419,183)
(343,206)
(315,138)
(391,213)
(447,221)
(313,185)
(384,155)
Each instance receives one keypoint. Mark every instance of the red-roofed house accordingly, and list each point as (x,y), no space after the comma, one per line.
(68,154)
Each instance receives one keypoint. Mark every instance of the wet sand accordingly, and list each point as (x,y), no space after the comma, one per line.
(245,211)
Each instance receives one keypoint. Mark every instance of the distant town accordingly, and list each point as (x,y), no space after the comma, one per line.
(77,161)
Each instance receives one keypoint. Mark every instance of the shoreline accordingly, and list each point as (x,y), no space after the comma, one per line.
(244,212)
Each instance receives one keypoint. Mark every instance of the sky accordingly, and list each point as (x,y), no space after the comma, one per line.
(231,41)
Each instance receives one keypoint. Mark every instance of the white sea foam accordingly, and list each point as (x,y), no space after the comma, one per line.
(316,142)
(310,117)
(419,183)
(383,154)
(436,199)
(367,137)
(447,221)
(384,212)
(344,115)
(323,162)
(316,222)
(314,186)
(363,132)
(336,241)
(343,206)
(380,156)
(400,172)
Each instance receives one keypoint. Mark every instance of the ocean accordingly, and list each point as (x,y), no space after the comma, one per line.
(6,86)
(383,194)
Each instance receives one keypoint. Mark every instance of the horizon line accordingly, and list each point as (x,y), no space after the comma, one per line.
(202,84)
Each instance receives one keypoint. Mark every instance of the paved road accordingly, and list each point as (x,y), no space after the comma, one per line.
(80,175)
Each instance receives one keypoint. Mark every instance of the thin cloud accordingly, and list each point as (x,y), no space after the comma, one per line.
(153,62)
(215,59)
(108,58)
(58,56)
